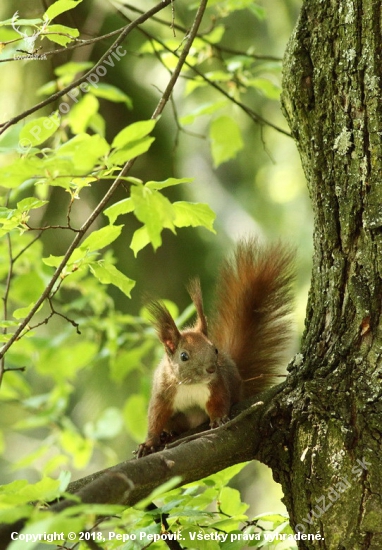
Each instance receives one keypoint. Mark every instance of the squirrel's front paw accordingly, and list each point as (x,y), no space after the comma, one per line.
(144,450)
(150,446)
(219,422)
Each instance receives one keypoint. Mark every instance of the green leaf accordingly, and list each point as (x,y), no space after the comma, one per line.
(154,210)
(57,34)
(60,7)
(19,171)
(134,132)
(220,479)
(124,206)
(128,360)
(193,214)
(11,515)
(111,93)
(24,22)
(230,502)
(84,151)
(29,204)
(226,139)
(72,68)
(82,112)
(21,492)
(28,287)
(101,238)
(268,88)
(108,425)
(39,130)
(135,416)
(206,109)
(130,151)
(23,311)
(167,183)
(78,255)
(97,124)
(109,274)
(159,491)
(9,219)
(140,240)
(64,362)
(79,447)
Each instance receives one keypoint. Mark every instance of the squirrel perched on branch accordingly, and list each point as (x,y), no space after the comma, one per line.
(206,370)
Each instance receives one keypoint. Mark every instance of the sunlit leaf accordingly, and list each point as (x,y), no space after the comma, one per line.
(226,139)
(124,206)
(72,68)
(140,240)
(39,130)
(230,502)
(30,203)
(130,151)
(135,416)
(21,492)
(154,210)
(81,448)
(111,93)
(133,132)
(193,214)
(61,34)
(170,182)
(107,426)
(84,151)
(206,109)
(102,237)
(268,88)
(82,112)
(60,7)
(109,274)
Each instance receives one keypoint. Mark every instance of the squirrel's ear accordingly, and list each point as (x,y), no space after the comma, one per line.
(165,326)
(195,292)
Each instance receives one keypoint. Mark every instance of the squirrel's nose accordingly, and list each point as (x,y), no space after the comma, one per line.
(211,369)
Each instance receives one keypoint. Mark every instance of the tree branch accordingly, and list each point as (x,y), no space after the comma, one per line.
(190,458)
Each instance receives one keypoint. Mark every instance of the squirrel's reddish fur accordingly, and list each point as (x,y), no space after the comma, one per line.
(207,369)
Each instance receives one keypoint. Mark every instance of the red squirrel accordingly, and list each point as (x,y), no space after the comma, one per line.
(206,370)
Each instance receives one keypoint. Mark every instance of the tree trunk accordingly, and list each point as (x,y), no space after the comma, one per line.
(330,470)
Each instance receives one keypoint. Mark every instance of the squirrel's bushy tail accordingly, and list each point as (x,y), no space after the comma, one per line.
(251,318)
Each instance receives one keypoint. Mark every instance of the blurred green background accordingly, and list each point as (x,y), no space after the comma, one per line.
(262,191)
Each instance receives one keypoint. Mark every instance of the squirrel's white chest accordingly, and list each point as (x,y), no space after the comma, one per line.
(191,395)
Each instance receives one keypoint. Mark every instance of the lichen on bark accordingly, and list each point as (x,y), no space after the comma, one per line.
(332,101)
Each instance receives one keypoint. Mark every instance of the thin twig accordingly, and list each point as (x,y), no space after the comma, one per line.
(5,300)
(182,59)
(78,44)
(46,227)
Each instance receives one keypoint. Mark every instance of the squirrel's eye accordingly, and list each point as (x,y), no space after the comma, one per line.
(184,356)
(216,351)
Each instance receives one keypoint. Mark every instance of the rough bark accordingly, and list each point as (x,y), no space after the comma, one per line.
(332,100)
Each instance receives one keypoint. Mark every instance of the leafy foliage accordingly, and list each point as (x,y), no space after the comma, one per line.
(206,514)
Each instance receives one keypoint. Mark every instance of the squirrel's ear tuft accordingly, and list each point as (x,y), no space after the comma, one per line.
(195,292)
(165,326)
